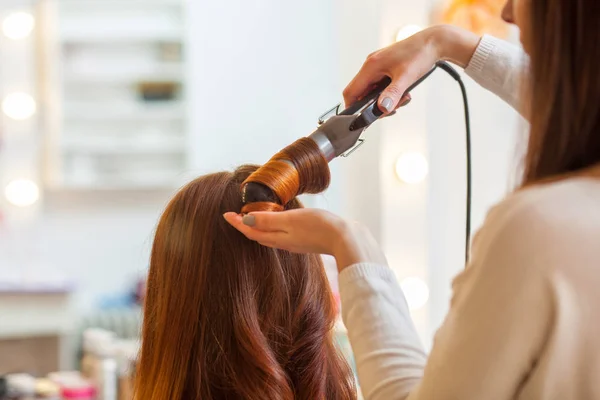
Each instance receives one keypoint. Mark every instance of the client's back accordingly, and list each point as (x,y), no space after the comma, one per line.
(226,318)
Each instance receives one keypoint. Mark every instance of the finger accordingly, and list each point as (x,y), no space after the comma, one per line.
(390,97)
(252,233)
(268,221)
(235,220)
(359,86)
(404,100)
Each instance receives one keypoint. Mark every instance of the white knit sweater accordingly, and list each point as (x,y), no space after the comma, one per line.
(524,321)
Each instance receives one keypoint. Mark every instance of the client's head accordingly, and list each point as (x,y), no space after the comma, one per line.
(226,318)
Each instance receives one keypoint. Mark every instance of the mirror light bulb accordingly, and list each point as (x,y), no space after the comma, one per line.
(412,168)
(19,106)
(416,292)
(22,192)
(18,25)
(407,31)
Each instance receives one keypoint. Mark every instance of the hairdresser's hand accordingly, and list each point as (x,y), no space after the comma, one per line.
(311,231)
(406,61)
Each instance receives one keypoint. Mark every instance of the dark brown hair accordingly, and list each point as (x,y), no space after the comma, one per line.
(299,168)
(564,89)
(226,318)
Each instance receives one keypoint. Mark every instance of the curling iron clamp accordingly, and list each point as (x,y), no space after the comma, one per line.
(339,133)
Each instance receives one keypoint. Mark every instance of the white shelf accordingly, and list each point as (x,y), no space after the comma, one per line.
(121,3)
(171,73)
(143,111)
(25,315)
(120,147)
(82,36)
(120,20)
(104,135)
(123,186)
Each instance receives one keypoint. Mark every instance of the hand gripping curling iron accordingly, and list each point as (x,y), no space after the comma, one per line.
(339,133)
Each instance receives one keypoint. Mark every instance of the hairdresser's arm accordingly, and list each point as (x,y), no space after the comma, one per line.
(500,67)
(496,328)
(390,358)
(496,65)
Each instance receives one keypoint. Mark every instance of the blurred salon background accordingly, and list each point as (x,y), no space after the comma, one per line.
(108,106)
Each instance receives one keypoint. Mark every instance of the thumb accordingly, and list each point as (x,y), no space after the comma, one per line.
(391,96)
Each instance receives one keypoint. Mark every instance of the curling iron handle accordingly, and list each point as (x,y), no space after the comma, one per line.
(421,79)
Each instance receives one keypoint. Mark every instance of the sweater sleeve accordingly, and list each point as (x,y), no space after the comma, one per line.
(500,67)
(499,316)
(387,350)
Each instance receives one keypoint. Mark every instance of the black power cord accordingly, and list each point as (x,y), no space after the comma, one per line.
(452,72)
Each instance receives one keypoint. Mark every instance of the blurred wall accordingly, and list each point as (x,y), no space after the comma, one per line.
(100,240)
(261,73)
(282,65)
(496,134)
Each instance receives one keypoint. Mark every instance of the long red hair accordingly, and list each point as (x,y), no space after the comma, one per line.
(226,318)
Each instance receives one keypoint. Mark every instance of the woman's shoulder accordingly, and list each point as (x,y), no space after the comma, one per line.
(552,202)
(550,218)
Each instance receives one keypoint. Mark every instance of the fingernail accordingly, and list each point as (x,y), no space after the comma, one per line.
(249,220)
(388,104)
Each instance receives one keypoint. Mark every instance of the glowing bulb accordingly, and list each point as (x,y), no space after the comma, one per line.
(19,106)
(407,32)
(18,25)
(415,291)
(22,192)
(412,168)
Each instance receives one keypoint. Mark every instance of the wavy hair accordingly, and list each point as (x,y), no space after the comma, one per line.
(226,318)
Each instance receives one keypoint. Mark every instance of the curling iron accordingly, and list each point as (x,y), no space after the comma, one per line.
(339,134)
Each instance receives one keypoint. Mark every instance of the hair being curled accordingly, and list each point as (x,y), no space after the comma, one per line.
(299,168)
(226,318)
